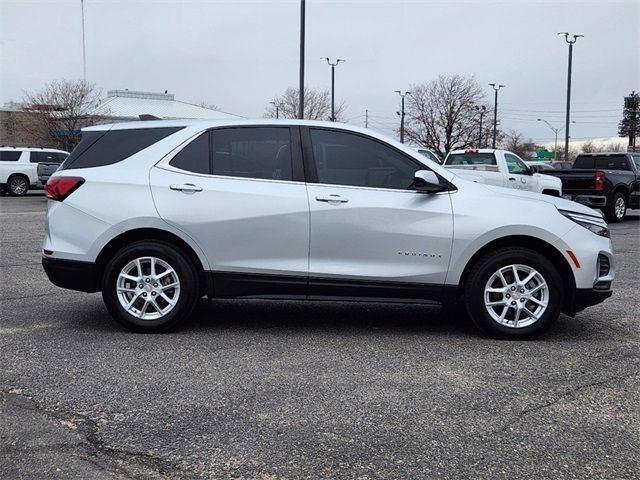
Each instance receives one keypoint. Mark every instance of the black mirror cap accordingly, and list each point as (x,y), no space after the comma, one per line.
(421,185)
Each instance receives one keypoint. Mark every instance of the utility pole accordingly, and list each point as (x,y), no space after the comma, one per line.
(301,84)
(333,84)
(277,105)
(84,51)
(366,119)
(495,111)
(402,95)
(482,109)
(566,131)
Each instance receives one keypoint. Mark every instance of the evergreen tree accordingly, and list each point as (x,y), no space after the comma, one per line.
(630,124)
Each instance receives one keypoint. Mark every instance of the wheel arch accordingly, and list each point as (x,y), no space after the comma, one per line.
(537,245)
(139,234)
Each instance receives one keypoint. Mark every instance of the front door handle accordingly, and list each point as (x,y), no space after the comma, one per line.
(512,179)
(186,188)
(333,199)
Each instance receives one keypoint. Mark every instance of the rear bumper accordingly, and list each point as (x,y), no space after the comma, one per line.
(593,201)
(71,274)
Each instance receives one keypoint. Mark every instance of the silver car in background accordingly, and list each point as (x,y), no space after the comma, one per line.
(157,214)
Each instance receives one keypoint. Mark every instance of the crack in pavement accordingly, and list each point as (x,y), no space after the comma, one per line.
(569,393)
(90,448)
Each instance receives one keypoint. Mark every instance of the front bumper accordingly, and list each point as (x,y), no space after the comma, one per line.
(587,297)
(71,274)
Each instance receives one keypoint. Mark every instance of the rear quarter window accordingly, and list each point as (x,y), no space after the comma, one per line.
(100,148)
(9,155)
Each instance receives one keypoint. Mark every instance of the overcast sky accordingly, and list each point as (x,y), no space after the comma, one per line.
(240,54)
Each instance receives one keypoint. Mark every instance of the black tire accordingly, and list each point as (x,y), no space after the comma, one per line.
(186,297)
(613,214)
(17,185)
(484,269)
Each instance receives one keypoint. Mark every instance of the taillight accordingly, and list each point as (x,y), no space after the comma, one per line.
(599,180)
(59,188)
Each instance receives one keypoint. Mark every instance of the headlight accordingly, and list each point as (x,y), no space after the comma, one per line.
(593,224)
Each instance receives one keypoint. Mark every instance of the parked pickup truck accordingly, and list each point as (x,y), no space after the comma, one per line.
(19,167)
(609,181)
(501,168)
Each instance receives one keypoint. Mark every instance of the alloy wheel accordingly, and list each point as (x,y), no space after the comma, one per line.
(516,296)
(18,186)
(148,288)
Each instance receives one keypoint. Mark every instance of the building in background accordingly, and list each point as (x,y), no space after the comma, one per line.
(117,106)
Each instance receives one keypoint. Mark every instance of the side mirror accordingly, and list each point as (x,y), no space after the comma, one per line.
(427,181)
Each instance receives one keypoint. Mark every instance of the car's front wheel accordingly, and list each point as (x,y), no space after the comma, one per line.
(150,286)
(514,293)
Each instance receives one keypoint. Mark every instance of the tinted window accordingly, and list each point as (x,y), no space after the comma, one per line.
(618,162)
(195,156)
(636,160)
(99,148)
(471,159)
(9,155)
(583,162)
(51,157)
(430,155)
(252,152)
(514,164)
(348,159)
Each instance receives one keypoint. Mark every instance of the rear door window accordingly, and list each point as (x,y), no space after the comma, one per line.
(50,157)
(9,155)
(252,152)
(584,162)
(100,148)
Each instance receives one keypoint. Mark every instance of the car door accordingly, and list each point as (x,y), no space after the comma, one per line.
(239,193)
(371,234)
(518,174)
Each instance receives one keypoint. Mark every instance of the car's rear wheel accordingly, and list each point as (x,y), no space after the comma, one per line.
(514,293)
(150,286)
(615,212)
(17,185)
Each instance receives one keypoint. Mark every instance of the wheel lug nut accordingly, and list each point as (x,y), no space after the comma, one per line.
(153,294)
(140,286)
(513,303)
(155,284)
(513,289)
(522,300)
(522,290)
(144,294)
(147,280)
(508,296)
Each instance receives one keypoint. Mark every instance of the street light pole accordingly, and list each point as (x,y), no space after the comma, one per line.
(301,83)
(84,51)
(566,132)
(495,111)
(556,131)
(402,95)
(333,84)
(482,109)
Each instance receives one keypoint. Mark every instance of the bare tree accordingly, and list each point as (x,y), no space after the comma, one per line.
(441,114)
(317,105)
(60,109)
(515,142)
(210,106)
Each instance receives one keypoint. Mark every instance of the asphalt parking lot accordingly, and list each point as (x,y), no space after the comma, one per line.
(284,390)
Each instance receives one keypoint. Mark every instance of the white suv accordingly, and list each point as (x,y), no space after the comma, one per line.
(157,214)
(19,167)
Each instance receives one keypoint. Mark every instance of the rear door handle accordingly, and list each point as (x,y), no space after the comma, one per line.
(186,188)
(335,199)
(512,179)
